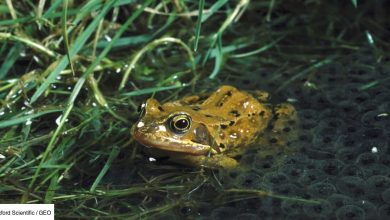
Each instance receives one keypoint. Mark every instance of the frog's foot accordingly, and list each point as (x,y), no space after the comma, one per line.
(284,126)
(213,162)
(286,117)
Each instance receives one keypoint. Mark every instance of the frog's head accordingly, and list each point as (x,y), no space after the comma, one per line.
(171,127)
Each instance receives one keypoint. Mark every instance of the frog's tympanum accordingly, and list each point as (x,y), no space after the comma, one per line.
(209,130)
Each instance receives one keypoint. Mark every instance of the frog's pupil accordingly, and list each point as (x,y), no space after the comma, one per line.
(181,124)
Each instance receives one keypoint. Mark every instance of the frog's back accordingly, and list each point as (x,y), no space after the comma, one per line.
(239,117)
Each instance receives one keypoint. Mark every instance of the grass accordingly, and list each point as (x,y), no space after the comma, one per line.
(73,73)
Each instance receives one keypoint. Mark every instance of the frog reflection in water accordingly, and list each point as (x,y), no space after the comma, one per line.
(211,130)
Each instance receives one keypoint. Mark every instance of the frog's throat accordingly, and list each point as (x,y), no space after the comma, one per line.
(171,144)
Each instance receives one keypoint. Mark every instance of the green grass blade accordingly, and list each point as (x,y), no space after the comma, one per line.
(53,6)
(260,50)
(354,3)
(52,187)
(114,153)
(36,45)
(10,59)
(304,72)
(50,145)
(16,21)
(76,47)
(214,8)
(126,41)
(65,35)
(198,24)
(153,90)
(218,58)
(24,119)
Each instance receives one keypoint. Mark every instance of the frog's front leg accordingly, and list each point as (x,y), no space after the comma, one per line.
(214,161)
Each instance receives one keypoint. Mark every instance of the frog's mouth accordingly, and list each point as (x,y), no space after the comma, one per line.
(170,144)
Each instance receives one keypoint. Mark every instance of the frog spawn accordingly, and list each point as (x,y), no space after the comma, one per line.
(344,155)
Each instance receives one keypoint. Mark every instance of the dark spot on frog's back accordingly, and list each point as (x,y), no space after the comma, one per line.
(223,126)
(202,98)
(160,108)
(195,108)
(235,113)
(225,97)
(262,113)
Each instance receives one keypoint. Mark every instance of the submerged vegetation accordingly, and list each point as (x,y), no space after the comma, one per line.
(72,74)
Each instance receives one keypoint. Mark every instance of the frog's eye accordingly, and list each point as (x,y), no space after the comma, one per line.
(179,123)
(141,109)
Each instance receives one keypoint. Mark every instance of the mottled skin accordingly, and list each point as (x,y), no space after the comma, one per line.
(222,125)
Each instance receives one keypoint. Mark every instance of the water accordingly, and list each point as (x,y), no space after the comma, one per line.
(343,158)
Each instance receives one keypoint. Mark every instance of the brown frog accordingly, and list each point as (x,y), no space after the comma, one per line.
(209,130)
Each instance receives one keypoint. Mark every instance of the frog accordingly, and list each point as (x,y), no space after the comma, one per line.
(211,129)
